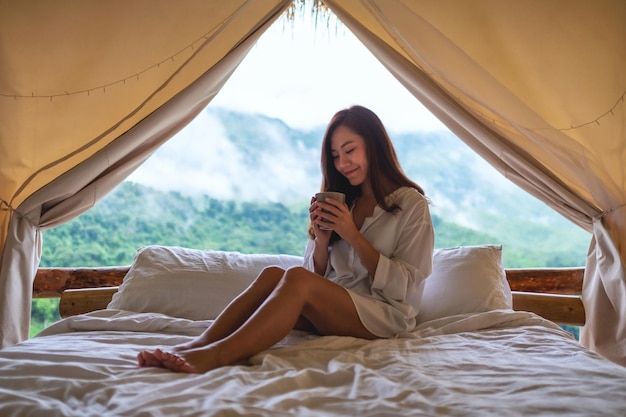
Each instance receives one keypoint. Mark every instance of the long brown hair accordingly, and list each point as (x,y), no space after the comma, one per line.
(384,168)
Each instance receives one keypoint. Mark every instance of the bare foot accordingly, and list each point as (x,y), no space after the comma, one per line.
(174,362)
(197,360)
(146,359)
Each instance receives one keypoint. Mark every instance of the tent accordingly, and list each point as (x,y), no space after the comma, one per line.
(89,89)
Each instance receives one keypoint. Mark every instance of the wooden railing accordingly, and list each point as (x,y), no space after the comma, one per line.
(51,282)
(567,281)
(554,293)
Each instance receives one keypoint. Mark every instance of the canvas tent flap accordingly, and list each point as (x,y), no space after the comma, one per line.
(77,74)
(538,90)
(550,79)
(123,79)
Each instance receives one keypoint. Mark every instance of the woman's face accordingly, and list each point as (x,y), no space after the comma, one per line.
(349,155)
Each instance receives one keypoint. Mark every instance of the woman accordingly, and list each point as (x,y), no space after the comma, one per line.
(363,277)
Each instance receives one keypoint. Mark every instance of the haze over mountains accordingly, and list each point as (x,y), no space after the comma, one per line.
(244,157)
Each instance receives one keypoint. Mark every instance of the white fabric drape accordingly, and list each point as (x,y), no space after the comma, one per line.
(491,105)
(79,188)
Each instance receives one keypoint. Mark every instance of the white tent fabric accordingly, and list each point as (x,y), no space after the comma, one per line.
(97,135)
(535,87)
(544,106)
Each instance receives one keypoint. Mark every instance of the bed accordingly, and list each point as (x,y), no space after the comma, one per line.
(472,353)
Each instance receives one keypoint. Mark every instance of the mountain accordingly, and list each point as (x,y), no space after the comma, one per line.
(231,181)
(251,157)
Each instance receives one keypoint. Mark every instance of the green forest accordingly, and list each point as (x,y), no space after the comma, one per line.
(135,215)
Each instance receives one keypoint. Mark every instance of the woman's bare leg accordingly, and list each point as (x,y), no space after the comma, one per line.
(241,308)
(231,318)
(325,304)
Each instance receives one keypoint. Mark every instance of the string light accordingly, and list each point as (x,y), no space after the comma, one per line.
(597,119)
(122,81)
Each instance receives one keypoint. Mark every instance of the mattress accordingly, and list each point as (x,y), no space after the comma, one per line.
(496,363)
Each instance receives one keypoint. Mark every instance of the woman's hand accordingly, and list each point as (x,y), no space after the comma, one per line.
(335,217)
(322,239)
(321,234)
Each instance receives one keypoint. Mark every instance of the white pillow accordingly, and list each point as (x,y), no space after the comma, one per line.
(189,283)
(466,279)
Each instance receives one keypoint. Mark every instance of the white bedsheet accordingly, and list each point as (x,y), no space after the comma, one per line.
(500,363)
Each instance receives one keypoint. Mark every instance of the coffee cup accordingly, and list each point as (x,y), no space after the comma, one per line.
(321,197)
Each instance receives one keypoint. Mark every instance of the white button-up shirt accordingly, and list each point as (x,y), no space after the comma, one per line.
(388,302)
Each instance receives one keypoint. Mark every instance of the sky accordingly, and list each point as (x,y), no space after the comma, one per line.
(303,75)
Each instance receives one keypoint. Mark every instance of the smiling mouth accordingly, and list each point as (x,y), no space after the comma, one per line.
(348,173)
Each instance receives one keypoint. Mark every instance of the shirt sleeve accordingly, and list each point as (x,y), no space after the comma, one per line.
(398,276)
(308,255)
(309,263)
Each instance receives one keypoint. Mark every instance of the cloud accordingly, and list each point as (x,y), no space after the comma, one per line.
(303,75)
(193,161)
(202,160)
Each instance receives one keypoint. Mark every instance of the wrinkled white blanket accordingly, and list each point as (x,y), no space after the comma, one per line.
(500,363)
